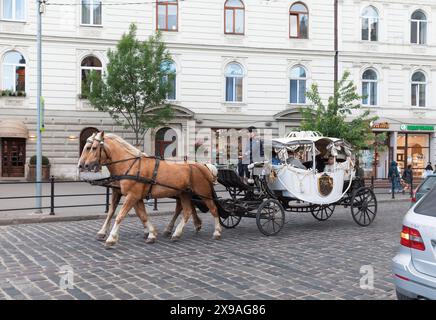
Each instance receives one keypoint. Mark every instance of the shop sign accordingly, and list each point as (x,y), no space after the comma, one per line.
(416,127)
(381,125)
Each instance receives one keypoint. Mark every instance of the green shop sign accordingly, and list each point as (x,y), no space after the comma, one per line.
(416,127)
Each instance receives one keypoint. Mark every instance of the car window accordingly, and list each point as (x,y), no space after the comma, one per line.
(427,206)
(428,184)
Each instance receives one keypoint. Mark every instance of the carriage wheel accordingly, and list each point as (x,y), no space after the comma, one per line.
(322,212)
(230,222)
(363,206)
(270,217)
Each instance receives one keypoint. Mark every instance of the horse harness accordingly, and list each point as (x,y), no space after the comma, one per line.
(138,178)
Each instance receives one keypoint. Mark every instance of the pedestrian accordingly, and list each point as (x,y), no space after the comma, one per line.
(428,170)
(360,174)
(407,177)
(394,177)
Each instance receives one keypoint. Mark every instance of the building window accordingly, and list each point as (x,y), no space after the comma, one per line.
(418,28)
(167,15)
(234,12)
(169,68)
(298,85)
(369,88)
(88,64)
(91,12)
(234,78)
(418,89)
(370,24)
(13,10)
(14,72)
(298,21)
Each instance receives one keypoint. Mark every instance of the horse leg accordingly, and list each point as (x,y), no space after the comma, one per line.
(115,200)
(142,214)
(187,207)
(195,218)
(113,236)
(169,229)
(214,211)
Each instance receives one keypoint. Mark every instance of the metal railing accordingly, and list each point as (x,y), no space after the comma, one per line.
(107,194)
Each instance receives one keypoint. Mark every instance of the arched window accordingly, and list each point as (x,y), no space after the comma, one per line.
(369,88)
(234,79)
(298,78)
(418,28)
(234,12)
(167,12)
(166,143)
(84,135)
(90,63)
(298,21)
(91,12)
(13,10)
(418,89)
(169,68)
(14,72)
(370,24)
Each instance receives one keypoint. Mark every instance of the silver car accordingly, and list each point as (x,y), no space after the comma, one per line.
(414,266)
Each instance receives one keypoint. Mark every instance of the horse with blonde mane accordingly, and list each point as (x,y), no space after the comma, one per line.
(116,197)
(140,176)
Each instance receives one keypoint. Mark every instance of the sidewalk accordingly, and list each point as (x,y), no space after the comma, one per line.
(93,198)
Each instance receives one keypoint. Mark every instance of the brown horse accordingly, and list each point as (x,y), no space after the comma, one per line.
(116,197)
(171,180)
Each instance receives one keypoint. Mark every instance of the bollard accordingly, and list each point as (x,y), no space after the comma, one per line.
(107,199)
(52,195)
(372,182)
(155,205)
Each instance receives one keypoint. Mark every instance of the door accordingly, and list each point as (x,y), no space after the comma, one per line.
(13,157)
(84,135)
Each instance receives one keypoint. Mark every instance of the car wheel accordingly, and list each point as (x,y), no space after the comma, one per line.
(401,296)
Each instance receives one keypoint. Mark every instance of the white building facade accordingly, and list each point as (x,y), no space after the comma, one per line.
(236,64)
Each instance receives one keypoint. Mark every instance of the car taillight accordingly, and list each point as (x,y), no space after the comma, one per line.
(411,238)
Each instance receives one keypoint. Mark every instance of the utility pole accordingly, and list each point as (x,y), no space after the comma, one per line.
(39,9)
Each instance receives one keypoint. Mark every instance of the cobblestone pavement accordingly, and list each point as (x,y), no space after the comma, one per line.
(307,260)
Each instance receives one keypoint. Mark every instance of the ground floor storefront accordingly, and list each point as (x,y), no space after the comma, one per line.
(406,143)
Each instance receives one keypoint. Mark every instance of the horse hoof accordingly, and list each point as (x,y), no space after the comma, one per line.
(100,236)
(216,237)
(146,235)
(197,229)
(150,240)
(109,244)
(167,233)
(175,238)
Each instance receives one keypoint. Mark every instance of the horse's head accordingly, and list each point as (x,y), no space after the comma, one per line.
(85,151)
(96,154)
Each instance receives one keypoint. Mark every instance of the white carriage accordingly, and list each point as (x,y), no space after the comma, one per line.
(298,179)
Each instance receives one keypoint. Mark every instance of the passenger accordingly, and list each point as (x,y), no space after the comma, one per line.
(295,162)
(275,158)
(330,165)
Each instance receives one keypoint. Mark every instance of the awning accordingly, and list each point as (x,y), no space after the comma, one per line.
(13,129)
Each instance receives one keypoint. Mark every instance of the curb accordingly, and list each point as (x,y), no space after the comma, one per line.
(51,219)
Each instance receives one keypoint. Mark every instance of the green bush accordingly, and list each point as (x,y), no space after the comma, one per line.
(45,161)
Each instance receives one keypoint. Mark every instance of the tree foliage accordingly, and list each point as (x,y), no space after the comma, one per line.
(342,117)
(134,88)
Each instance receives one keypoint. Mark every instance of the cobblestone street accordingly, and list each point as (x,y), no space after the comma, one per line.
(307,260)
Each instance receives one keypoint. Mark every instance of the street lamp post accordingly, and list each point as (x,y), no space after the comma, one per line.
(39,9)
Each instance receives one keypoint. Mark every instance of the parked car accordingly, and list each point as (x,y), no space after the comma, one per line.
(414,266)
(424,187)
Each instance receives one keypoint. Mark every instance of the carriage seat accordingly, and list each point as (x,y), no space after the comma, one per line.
(229,179)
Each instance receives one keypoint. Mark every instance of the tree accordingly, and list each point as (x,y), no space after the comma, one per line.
(134,88)
(331,119)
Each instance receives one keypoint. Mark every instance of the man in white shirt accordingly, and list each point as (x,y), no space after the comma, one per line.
(330,166)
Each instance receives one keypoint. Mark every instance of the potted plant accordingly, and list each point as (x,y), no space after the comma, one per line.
(45,169)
